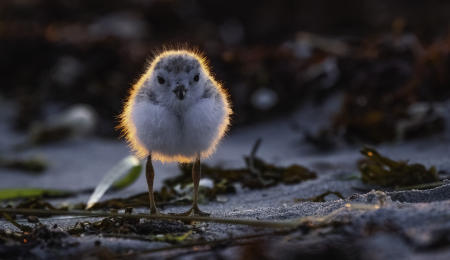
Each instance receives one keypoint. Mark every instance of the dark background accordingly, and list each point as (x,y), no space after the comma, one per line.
(382,56)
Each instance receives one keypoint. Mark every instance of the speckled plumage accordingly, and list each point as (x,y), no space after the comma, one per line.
(156,121)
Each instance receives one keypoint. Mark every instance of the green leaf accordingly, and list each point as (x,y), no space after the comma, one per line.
(21,193)
(173,238)
(120,176)
(128,179)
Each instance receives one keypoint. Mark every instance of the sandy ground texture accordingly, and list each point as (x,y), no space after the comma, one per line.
(411,224)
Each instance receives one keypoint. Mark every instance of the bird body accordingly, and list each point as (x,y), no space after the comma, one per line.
(178,134)
(176,110)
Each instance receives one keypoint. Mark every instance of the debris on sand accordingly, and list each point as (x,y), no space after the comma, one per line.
(380,170)
(34,165)
(321,197)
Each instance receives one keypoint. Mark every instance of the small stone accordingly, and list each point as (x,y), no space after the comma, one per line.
(33,219)
(221,198)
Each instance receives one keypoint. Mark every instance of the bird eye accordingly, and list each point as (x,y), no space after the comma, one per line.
(161,80)
(196,77)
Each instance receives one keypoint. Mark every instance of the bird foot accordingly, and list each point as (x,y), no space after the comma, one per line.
(194,211)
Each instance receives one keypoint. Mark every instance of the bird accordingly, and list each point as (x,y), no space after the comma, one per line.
(176,112)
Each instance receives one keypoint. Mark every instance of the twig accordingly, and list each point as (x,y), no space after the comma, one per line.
(248,222)
(251,158)
(256,147)
(234,221)
(251,163)
(422,186)
(14,223)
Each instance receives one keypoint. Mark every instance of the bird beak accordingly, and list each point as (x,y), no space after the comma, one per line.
(180,92)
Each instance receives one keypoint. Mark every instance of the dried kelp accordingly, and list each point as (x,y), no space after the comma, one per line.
(178,190)
(388,77)
(132,226)
(30,243)
(32,165)
(257,174)
(10,219)
(50,135)
(380,170)
(38,235)
(35,203)
(118,225)
(30,203)
(41,235)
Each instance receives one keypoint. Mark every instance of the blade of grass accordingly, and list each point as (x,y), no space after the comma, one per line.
(120,176)
(22,193)
(132,175)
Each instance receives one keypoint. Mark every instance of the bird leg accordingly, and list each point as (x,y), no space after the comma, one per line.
(150,174)
(196,175)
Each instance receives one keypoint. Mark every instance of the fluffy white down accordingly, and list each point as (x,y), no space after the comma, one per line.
(168,135)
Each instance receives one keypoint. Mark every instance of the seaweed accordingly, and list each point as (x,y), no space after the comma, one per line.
(380,170)
(118,225)
(11,220)
(30,203)
(258,173)
(45,134)
(31,165)
(39,235)
(170,231)
(177,190)
(387,83)
(165,228)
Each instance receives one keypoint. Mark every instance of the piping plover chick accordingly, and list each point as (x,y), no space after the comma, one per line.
(176,112)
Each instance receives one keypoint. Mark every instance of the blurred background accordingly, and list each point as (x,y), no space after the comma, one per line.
(315,80)
(387,61)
